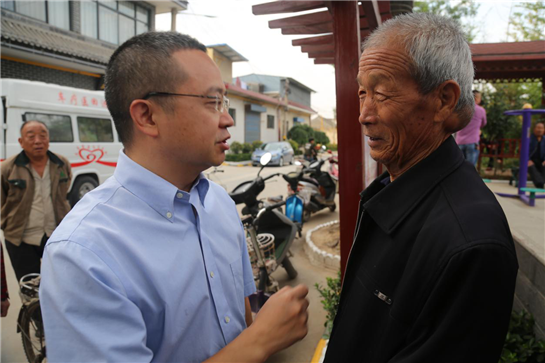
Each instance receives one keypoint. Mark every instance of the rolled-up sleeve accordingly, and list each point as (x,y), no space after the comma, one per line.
(86,312)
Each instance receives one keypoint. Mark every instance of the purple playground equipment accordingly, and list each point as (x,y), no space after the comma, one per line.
(524,157)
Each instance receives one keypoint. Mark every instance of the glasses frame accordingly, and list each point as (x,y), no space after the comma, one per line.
(222,102)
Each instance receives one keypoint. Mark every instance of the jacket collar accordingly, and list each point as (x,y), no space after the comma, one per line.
(22,159)
(389,205)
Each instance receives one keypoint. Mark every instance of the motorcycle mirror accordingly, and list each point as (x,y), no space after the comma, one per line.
(265,159)
(324,147)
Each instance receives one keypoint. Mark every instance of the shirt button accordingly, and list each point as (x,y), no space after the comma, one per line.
(227,320)
(212,274)
(179,195)
(169,215)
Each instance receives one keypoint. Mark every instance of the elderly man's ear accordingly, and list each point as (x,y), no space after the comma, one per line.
(447,96)
(143,114)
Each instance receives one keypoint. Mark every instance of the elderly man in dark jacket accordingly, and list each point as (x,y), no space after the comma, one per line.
(432,270)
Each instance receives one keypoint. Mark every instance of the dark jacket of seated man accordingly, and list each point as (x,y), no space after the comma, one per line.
(432,270)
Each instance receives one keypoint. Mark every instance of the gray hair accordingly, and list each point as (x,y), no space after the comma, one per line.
(438,51)
(141,65)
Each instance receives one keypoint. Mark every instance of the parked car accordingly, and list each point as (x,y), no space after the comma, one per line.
(282,153)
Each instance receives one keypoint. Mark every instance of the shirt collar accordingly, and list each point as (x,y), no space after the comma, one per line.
(155,191)
(390,204)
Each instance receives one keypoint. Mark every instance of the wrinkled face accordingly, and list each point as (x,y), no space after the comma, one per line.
(396,118)
(34,140)
(195,133)
(539,129)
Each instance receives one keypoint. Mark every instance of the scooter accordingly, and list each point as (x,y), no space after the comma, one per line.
(270,235)
(317,188)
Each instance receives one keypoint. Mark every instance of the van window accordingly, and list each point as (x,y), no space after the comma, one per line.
(60,127)
(95,129)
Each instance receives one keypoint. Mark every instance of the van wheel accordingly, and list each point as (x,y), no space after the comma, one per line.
(82,186)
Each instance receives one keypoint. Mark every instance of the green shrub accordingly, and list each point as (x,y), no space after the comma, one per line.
(247,148)
(521,344)
(301,133)
(238,157)
(256,145)
(294,144)
(236,147)
(321,138)
(332,147)
(331,295)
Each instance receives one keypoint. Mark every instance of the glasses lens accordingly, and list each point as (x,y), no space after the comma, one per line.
(225,104)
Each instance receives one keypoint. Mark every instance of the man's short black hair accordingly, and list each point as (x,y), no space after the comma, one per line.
(310,139)
(141,65)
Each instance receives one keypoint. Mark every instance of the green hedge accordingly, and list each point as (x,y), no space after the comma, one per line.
(238,157)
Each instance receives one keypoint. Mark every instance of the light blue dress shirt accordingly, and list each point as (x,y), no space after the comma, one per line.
(140,271)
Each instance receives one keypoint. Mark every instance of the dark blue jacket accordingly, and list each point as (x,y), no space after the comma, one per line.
(533,147)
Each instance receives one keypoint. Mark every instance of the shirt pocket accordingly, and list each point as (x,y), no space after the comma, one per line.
(17,189)
(238,280)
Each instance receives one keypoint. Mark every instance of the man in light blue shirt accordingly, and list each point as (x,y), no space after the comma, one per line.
(153,265)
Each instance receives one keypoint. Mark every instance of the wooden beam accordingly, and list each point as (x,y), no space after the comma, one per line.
(309,29)
(324,61)
(350,143)
(322,39)
(279,7)
(372,14)
(307,19)
(318,48)
(322,54)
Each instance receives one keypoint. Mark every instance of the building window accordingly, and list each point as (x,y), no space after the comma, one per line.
(233,113)
(95,129)
(270,121)
(56,12)
(60,127)
(113,21)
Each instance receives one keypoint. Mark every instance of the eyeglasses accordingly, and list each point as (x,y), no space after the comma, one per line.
(222,102)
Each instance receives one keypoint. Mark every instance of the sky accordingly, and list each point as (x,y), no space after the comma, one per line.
(269,52)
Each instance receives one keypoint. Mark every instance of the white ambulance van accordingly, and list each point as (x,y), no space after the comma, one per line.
(80,128)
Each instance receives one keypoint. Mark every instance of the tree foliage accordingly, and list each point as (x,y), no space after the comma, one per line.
(460,10)
(528,21)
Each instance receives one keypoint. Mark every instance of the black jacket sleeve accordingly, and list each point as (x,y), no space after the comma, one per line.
(466,315)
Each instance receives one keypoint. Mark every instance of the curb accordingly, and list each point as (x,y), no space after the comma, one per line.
(238,163)
(318,257)
(319,353)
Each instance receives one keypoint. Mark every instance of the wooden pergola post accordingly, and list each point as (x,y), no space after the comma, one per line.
(346,32)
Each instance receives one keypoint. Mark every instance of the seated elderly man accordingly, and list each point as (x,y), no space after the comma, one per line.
(432,270)
(536,164)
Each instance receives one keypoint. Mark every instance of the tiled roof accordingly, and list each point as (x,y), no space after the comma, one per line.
(261,97)
(36,37)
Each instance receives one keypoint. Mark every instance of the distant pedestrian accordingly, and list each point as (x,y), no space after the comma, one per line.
(311,154)
(34,187)
(5,295)
(468,138)
(536,164)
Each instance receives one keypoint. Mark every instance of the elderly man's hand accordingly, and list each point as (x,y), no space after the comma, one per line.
(5,307)
(530,163)
(282,321)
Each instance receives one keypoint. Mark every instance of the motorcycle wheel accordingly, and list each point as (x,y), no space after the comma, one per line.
(292,272)
(306,215)
(332,207)
(263,278)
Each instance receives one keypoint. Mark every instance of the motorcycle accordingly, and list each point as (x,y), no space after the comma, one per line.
(270,235)
(317,188)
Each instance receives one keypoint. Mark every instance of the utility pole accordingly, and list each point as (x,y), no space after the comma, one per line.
(286,107)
